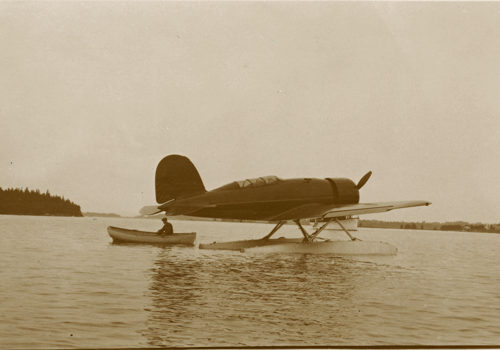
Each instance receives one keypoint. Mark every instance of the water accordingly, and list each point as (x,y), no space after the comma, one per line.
(65,285)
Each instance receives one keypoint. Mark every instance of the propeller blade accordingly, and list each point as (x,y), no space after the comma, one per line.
(363,180)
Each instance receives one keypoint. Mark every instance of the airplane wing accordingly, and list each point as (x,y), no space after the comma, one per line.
(312,211)
(306,211)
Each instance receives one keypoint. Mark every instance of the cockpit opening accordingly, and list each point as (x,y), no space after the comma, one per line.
(256,182)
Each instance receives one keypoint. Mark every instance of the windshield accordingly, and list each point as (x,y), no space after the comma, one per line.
(259,181)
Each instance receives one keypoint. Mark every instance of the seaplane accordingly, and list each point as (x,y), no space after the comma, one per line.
(271,199)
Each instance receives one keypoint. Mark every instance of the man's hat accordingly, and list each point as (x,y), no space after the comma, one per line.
(164,219)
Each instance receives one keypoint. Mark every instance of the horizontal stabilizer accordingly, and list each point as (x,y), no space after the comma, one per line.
(150,210)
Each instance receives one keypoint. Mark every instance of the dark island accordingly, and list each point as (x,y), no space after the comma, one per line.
(26,202)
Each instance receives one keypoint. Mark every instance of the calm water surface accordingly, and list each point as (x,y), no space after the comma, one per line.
(65,285)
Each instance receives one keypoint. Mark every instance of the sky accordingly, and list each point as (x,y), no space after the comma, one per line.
(94,94)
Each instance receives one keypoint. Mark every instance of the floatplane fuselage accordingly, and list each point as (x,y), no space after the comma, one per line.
(180,191)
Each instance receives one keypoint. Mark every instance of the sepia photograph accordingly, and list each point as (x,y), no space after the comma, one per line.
(242,174)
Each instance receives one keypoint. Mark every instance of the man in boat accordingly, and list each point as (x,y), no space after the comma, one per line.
(167,228)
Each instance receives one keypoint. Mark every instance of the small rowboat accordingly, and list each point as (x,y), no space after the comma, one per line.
(133,236)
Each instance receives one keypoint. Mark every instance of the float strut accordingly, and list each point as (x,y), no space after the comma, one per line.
(307,238)
(352,238)
(318,231)
(276,228)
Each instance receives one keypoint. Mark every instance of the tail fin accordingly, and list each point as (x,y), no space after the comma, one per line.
(177,177)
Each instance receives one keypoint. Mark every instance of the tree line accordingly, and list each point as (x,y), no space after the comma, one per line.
(448,226)
(25,202)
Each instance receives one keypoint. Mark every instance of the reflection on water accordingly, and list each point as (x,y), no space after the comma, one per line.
(229,298)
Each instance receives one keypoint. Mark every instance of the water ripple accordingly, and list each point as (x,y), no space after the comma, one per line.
(68,286)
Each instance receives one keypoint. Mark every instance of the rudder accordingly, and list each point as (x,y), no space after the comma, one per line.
(177,177)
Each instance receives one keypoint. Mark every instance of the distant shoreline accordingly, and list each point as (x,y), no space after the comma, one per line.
(456,226)
(460,226)
(103,215)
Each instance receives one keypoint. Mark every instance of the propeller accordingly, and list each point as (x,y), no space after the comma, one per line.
(363,180)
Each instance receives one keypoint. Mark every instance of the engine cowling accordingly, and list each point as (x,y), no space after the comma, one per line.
(345,191)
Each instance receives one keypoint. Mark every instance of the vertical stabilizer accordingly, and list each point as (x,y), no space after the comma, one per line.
(177,177)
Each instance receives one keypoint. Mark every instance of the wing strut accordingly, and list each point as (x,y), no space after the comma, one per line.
(307,238)
(318,231)
(352,238)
